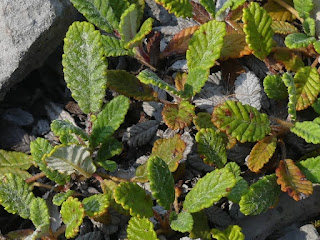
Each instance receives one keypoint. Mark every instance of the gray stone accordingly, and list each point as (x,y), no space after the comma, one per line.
(29,31)
(306,232)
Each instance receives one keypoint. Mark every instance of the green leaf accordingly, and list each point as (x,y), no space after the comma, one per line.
(182,222)
(39,148)
(84,66)
(96,205)
(303,7)
(169,150)
(128,23)
(180,8)
(289,82)
(212,147)
(311,169)
(209,5)
(145,29)
(142,173)
(39,213)
(161,182)
(243,122)
(204,49)
(307,83)
(99,12)
(233,232)
(233,4)
(200,226)
(72,213)
(260,196)
(64,127)
(316,46)
(290,60)
(141,229)
(108,149)
(284,28)
(133,198)
(259,33)
(178,116)
(59,198)
(309,131)
(316,105)
(127,84)
(148,77)
(309,26)
(203,120)
(109,120)
(119,7)
(238,190)
(209,189)
(71,159)
(298,40)
(15,162)
(274,87)
(234,168)
(113,47)
(16,195)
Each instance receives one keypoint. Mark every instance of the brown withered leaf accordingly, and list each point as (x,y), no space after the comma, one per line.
(180,80)
(234,45)
(179,43)
(293,181)
(200,14)
(153,47)
(291,61)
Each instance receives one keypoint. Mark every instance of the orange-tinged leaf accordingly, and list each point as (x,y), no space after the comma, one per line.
(200,14)
(180,80)
(284,28)
(234,45)
(292,180)
(261,153)
(290,60)
(178,116)
(279,13)
(179,43)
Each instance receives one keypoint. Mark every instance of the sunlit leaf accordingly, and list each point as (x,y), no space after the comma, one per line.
(107,150)
(143,32)
(141,229)
(292,91)
(181,222)
(233,232)
(303,7)
(274,87)
(181,8)
(284,28)
(309,131)
(203,120)
(309,26)
(311,169)
(39,213)
(209,6)
(59,198)
(292,180)
(238,190)
(233,4)
(278,12)
(316,46)
(95,205)
(113,47)
(64,127)
(298,40)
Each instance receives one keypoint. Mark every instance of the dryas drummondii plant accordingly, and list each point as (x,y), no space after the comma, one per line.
(116,28)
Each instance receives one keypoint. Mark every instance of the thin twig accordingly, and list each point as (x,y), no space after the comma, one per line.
(283,149)
(290,9)
(315,62)
(35,177)
(47,186)
(116,179)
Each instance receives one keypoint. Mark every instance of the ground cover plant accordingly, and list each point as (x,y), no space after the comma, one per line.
(194,107)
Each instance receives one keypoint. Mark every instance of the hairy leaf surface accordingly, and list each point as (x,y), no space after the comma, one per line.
(292,180)
(311,169)
(72,213)
(238,190)
(182,222)
(133,198)
(181,8)
(84,66)
(59,198)
(144,31)
(70,159)
(260,196)
(203,120)
(95,205)
(303,7)
(298,40)
(128,23)
(257,26)
(212,147)
(309,131)
(261,153)
(39,213)
(284,28)
(243,122)
(107,150)
(64,127)
(109,120)
(161,182)
(209,189)
(292,91)
(274,87)
(233,232)
(141,229)
(113,47)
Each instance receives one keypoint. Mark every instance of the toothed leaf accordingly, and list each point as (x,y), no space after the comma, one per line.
(243,122)
(233,4)
(203,120)
(274,87)
(71,159)
(133,198)
(209,6)
(178,116)
(291,61)
(257,26)
(200,226)
(109,120)
(204,49)
(283,28)
(107,150)
(72,213)
(161,182)
(16,195)
(84,66)
(309,131)
(261,153)
(95,205)
(127,84)
(252,203)
(307,83)
(311,169)
(212,147)
(169,150)
(59,198)
(64,127)
(309,26)
(212,187)
(39,214)
(238,190)
(119,7)
(278,12)
(181,8)
(143,32)
(113,47)
(99,12)
(182,222)
(303,7)
(233,232)
(316,46)
(39,148)
(141,229)
(292,91)
(292,180)
(298,40)
(128,23)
